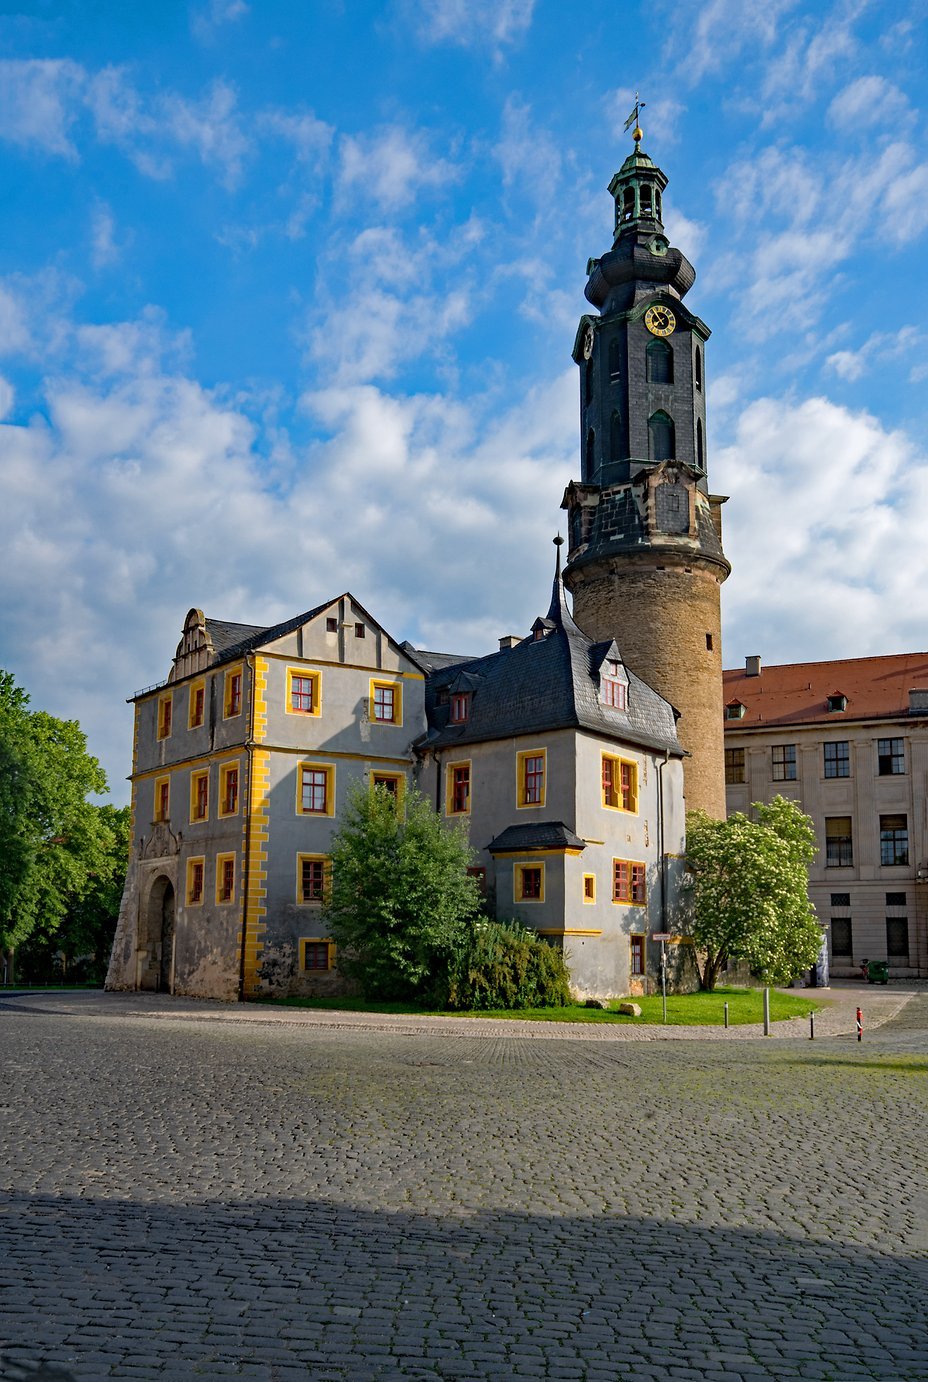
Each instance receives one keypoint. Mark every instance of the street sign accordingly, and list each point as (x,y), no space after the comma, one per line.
(661,936)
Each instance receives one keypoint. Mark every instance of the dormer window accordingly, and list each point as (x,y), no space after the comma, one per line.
(460,707)
(837,702)
(734,710)
(613,691)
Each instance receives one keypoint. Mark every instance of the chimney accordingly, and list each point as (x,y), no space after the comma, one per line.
(509,640)
(752,666)
(918,702)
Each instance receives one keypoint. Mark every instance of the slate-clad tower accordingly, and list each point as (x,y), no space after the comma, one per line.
(645,559)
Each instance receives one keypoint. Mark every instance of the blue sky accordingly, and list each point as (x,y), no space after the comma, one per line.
(288,292)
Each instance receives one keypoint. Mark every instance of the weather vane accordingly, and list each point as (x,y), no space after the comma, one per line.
(633,119)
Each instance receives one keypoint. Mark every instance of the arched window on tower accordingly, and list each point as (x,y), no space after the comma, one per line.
(660,363)
(697,368)
(590,452)
(661,441)
(628,204)
(615,436)
(588,380)
(657,204)
(644,196)
(700,456)
(615,361)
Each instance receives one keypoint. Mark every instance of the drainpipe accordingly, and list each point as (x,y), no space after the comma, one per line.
(660,837)
(246,785)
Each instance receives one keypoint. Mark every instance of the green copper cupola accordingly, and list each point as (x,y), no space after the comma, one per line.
(637,189)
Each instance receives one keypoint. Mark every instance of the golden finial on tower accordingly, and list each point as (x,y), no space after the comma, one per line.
(633,119)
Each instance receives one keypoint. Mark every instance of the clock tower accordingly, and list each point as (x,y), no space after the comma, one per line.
(645,559)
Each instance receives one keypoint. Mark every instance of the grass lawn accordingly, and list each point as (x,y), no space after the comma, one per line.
(683,1010)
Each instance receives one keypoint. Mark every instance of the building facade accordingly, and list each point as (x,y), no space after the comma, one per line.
(848,740)
(565,766)
(645,559)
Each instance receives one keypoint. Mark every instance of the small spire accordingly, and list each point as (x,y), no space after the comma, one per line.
(558,543)
(558,614)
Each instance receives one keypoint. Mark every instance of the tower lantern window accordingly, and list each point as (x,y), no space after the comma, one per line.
(628,204)
(645,197)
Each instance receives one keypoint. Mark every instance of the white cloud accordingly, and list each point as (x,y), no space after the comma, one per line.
(104,250)
(724,29)
(38,103)
(211,127)
(868,103)
(389,168)
(528,155)
(474,23)
(880,347)
(7,397)
(206,21)
(824,499)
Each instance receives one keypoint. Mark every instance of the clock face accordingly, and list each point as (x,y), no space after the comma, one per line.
(588,343)
(660,321)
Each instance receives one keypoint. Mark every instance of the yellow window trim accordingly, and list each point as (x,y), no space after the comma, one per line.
(195,686)
(387,684)
(191,863)
(315,766)
(449,787)
(166,698)
(308,674)
(534,853)
(224,769)
(157,790)
(348,666)
(589,901)
(326,862)
(238,670)
(517,875)
(316,940)
(220,860)
(617,785)
(521,756)
(196,777)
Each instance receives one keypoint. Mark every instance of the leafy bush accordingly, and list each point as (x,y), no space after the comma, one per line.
(400,903)
(506,965)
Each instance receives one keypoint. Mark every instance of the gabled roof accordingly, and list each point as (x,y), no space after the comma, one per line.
(259,638)
(544,684)
(797,693)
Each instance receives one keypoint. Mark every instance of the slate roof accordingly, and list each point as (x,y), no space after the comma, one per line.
(431,662)
(797,693)
(541,835)
(224,635)
(251,637)
(545,684)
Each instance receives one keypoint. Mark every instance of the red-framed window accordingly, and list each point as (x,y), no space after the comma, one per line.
(230,801)
(627,787)
(460,707)
(165,712)
(533,781)
(197,710)
(589,887)
(312,880)
(613,693)
(302,692)
(314,791)
(385,704)
(628,881)
(201,802)
(637,955)
(227,880)
(234,694)
(481,876)
(195,882)
(460,787)
(530,887)
(390,783)
(315,954)
(163,801)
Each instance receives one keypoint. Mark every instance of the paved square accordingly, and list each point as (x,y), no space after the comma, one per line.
(190,1197)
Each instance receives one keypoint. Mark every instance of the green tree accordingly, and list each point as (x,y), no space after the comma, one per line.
(400,901)
(748,884)
(53,842)
(78,948)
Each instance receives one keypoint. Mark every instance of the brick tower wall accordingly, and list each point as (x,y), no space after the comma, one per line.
(659,617)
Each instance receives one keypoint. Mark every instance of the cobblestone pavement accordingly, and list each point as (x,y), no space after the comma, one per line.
(186,1195)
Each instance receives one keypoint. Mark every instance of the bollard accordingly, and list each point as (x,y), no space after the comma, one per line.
(726,1015)
(860,1025)
(811,1026)
(766,1012)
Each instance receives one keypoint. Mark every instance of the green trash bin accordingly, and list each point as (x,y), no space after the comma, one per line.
(877,972)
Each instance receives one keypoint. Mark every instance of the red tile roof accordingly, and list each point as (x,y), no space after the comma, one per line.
(875,687)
